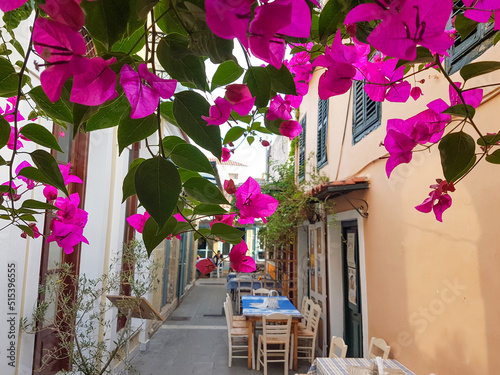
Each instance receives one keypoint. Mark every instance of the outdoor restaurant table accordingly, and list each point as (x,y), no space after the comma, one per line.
(338,366)
(253,314)
(233,284)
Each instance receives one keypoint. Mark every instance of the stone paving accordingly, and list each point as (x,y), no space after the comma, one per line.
(193,340)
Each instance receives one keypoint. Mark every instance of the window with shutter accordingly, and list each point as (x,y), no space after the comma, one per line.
(474,45)
(367,113)
(321,158)
(302,149)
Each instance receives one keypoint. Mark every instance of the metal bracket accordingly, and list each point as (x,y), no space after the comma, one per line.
(362,210)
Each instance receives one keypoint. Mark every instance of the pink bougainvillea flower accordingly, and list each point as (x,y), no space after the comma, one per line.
(67,12)
(483,10)
(8,113)
(283,17)
(34,228)
(8,5)
(50,193)
(439,200)
(240,261)
(9,195)
(226,154)
(137,221)
(144,89)
(279,109)
(180,218)
(252,203)
(229,186)
(416,92)
(240,98)
(296,100)
(290,129)
(205,266)
(219,112)
(64,49)
(406,24)
(472,97)
(68,178)
(399,146)
(67,227)
(224,219)
(30,184)
(12,140)
(229,18)
(385,82)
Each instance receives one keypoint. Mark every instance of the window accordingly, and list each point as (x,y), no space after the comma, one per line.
(474,45)
(302,149)
(367,113)
(321,157)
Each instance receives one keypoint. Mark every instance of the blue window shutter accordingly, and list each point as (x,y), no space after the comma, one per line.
(302,149)
(321,146)
(367,113)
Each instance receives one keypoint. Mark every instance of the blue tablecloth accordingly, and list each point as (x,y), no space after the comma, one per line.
(231,275)
(338,366)
(269,284)
(285,307)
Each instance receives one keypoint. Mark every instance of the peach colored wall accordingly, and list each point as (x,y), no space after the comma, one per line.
(433,288)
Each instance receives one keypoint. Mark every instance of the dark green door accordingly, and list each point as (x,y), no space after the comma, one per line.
(352,295)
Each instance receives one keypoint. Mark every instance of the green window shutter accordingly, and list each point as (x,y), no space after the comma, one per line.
(302,149)
(367,113)
(321,146)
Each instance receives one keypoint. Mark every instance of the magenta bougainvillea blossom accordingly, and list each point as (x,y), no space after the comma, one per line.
(290,129)
(279,108)
(137,221)
(219,112)
(385,82)
(483,10)
(224,219)
(144,89)
(8,5)
(64,51)
(439,200)
(240,261)
(8,112)
(67,227)
(67,12)
(50,193)
(252,203)
(229,186)
(30,184)
(226,154)
(34,228)
(240,98)
(416,92)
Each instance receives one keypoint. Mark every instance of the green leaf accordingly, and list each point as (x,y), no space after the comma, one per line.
(188,108)
(464,25)
(259,82)
(227,233)
(170,141)
(158,185)
(134,130)
(273,126)
(209,209)
(4,132)
(181,227)
(144,7)
(491,139)
(494,157)
(457,153)
(179,62)
(496,39)
(34,174)
(132,44)
(58,110)
(190,157)
(48,166)
(128,186)
(31,203)
(202,232)
(168,23)
(109,116)
(106,20)
(2,161)
(250,140)
(26,229)
(204,191)
(39,134)
(331,18)
(226,73)
(13,18)
(205,43)
(187,174)
(153,236)
(479,68)
(282,80)
(81,113)
(9,80)
(167,112)
(461,110)
(233,134)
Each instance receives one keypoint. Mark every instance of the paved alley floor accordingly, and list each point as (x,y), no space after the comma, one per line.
(193,340)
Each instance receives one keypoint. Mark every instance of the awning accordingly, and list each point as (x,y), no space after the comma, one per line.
(339,186)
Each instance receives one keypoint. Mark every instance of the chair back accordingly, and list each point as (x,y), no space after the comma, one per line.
(337,343)
(306,312)
(276,325)
(304,304)
(229,316)
(245,288)
(314,317)
(260,292)
(378,345)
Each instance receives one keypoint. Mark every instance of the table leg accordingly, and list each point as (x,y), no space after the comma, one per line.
(295,343)
(250,343)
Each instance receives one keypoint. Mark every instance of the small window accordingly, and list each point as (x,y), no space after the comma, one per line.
(474,45)
(367,113)
(321,155)
(302,149)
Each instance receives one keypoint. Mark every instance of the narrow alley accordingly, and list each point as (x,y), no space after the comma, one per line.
(193,340)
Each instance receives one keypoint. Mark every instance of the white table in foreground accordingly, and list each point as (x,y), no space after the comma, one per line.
(338,366)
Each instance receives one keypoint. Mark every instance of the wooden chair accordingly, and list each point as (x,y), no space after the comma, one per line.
(337,343)
(307,337)
(243,290)
(237,340)
(229,301)
(378,348)
(274,341)
(260,292)
(235,323)
(305,311)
